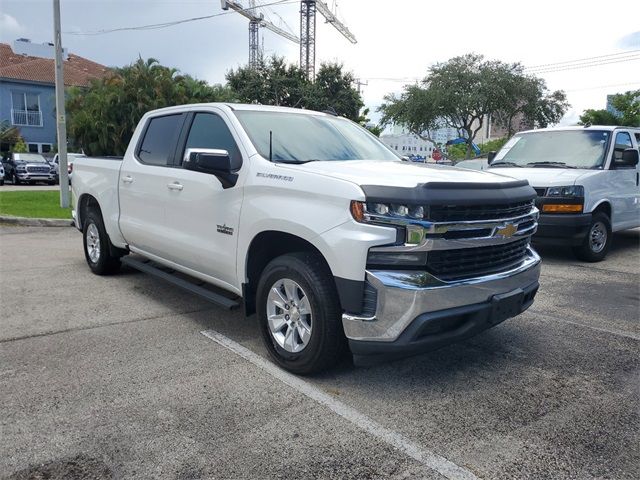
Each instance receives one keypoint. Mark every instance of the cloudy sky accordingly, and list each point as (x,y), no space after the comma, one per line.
(397,40)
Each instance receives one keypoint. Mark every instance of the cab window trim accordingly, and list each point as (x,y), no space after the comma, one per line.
(184,136)
(171,157)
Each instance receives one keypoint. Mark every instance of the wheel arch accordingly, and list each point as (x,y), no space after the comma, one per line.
(603,206)
(264,247)
(85,203)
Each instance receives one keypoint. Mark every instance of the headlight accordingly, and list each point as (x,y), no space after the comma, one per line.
(21,168)
(567,199)
(568,191)
(363,212)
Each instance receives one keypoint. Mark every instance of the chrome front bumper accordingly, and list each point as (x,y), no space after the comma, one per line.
(402,296)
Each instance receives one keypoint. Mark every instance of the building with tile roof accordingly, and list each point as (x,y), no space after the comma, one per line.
(27,88)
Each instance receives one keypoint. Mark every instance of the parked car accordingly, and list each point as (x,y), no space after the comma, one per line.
(70,159)
(1,175)
(28,168)
(587,180)
(310,221)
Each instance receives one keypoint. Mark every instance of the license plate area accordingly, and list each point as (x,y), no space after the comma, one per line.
(506,305)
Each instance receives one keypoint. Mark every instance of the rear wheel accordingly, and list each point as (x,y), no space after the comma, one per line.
(596,244)
(299,313)
(97,246)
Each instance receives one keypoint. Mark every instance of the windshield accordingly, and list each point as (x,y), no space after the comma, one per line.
(301,137)
(555,149)
(29,157)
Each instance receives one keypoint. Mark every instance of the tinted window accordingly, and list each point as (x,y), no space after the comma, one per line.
(157,145)
(210,131)
(623,141)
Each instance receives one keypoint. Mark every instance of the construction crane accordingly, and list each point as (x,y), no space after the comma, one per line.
(308,32)
(256,20)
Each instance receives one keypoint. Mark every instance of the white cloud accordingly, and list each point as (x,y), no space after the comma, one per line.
(10,27)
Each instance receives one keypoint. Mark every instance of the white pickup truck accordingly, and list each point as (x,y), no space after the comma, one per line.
(587,180)
(313,223)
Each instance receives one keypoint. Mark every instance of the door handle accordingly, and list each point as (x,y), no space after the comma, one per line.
(175,186)
(127,179)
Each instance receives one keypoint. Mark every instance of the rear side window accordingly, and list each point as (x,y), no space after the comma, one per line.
(210,131)
(158,144)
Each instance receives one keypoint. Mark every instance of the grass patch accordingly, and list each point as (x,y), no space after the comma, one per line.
(33,204)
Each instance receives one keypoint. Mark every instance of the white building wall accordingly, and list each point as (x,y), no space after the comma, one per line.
(407,144)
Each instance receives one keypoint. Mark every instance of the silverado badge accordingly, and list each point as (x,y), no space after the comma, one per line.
(224,229)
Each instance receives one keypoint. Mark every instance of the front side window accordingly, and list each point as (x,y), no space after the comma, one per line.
(303,137)
(555,149)
(623,141)
(159,140)
(210,131)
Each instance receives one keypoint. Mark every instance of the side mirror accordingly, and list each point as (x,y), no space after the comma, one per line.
(213,162)
(491,156)
(629,158)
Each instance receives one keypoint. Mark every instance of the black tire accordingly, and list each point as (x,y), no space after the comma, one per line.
(14,179)
(327,342)
(2,183)
(591,250)
(105,262)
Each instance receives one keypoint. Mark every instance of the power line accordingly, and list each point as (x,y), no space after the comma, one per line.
(586,65)
(535,67)
(157,26)
(596,87)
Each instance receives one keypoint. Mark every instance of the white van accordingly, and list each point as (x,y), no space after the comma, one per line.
(587,181)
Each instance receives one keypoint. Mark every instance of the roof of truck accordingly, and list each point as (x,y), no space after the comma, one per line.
(608,128)
(243,107)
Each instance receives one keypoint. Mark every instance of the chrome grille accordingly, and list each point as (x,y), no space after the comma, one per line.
(458,213)
(31,169)
(464,263)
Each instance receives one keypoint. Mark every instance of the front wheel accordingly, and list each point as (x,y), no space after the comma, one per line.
(15,179)
(596,244)
(97,246)
(299,313)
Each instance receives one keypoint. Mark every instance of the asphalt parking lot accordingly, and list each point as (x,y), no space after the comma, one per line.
(111,377)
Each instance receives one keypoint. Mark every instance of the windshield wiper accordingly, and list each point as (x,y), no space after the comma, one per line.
(509,164)
(551,164)
(296,162)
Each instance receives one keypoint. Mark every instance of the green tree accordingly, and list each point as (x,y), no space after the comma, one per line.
(102,118)
(20,146)
(333,89)
(273,82)
(9,135)
(598,117)
(628,104)
(463,91)
(493,145)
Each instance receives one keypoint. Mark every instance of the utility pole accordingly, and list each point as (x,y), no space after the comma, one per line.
(360,83)
(61,121)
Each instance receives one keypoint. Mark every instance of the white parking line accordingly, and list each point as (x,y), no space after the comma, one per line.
(427,458)
(552,318)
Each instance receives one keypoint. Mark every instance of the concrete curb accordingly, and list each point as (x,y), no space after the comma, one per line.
(36,222)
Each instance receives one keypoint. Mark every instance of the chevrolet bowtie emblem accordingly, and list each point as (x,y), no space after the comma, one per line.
(507,231)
